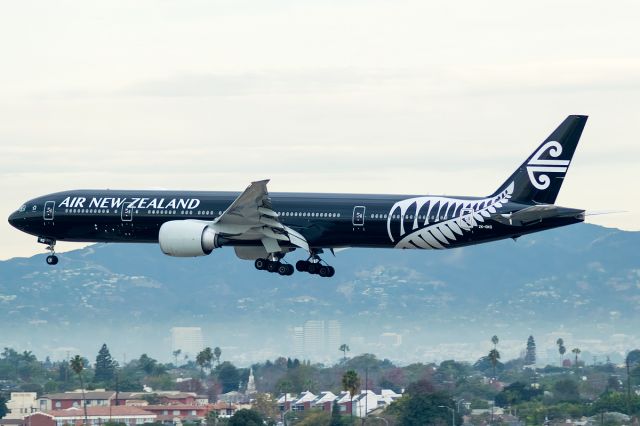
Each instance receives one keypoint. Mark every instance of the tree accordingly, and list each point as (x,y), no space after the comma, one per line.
(632,359)
(576,351)
(147,364)
(494,357)
(217,352)
(3,407)
(212,418)
(561,349)
(336,417)
(495,341)
(344,348)
(566,390)
(229,376)
(77,365)
(105,365)
(176,354)
(421,405)
(515,393)
(246,417)
(530,357)
(204,358)
(351,383)
(265,406)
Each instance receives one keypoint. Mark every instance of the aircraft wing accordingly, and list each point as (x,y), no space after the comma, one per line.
(251,217)
(536,213)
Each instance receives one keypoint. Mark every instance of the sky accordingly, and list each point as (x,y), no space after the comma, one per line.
(414,97)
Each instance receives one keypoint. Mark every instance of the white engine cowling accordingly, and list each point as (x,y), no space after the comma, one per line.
(187,238)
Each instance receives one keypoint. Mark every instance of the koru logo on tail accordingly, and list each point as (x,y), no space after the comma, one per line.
(536,165)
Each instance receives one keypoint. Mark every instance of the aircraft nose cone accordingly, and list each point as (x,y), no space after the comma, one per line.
(14,220)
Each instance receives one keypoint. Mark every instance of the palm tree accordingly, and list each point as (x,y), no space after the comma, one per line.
(561,349)
(217,352)
(351,383)
(576,351)
(495,341)
(494,356)
(204,358)
(176,354)
(77,365)
(344,348)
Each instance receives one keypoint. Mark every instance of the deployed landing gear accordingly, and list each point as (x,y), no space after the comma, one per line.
(274,266)
(52,259)
(314,266)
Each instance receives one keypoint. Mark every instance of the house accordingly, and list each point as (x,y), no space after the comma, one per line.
(324,401)
(303,402)
(103,398)
(168,413)
(285,401)
(21,404)
(224,409)
(387,396)
(365,402)
(62,401)
(74,416)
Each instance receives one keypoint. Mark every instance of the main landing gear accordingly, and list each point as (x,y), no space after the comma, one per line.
(52,259)
(274,266)
(314,265)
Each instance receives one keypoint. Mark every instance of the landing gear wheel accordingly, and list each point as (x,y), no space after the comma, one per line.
(273,266)
(285,269)
(323,271)
(52,259)
(302,265)
(332,271)
(260,264)
(312,268)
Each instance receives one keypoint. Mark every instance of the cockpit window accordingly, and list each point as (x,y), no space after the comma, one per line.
(22,208)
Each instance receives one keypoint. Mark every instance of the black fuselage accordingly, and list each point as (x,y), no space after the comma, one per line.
(325,220)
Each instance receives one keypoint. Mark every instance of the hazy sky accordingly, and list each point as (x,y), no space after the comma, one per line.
(410,97)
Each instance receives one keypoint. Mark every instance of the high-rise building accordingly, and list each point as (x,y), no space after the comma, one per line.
(317,340)
(314,339)
(188,340)
(298,342)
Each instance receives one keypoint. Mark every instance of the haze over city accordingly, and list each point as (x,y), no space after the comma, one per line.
(373,97)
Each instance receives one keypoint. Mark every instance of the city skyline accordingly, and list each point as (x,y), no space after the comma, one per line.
(382,96)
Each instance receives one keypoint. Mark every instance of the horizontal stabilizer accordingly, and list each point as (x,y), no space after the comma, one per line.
(536,213)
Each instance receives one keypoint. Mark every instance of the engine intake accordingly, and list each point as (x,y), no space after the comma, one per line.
(187,238)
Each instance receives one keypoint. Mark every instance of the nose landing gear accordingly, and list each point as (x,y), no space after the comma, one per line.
(52,259)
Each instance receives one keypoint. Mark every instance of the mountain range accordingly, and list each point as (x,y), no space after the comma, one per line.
(581,282)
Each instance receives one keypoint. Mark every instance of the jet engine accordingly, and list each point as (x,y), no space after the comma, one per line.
(187,238)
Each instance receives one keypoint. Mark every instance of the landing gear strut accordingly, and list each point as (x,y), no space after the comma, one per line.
(52,259)
(274,265)
(314,265)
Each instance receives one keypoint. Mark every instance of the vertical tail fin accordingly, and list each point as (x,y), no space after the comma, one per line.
(539,178)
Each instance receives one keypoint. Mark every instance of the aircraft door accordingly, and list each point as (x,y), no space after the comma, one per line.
(126,214)
(358,215)
(49,210)
(466,220)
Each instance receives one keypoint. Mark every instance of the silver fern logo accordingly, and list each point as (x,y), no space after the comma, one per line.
(439,221)
(543,167)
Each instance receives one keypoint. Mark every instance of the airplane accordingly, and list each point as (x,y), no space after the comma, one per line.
(265,227)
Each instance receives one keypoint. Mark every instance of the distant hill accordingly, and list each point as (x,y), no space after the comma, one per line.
(583,276)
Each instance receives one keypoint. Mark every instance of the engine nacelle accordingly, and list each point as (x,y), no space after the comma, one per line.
(187,238)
